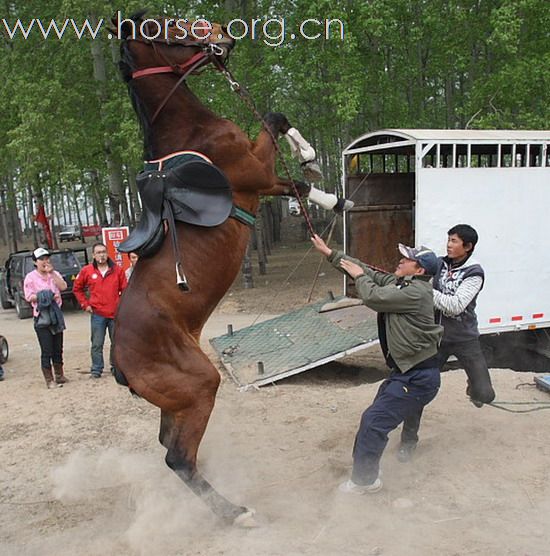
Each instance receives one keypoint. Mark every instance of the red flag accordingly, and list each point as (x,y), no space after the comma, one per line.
(41,218)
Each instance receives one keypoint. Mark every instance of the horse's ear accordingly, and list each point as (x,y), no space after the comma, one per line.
(124,26)
(138,16)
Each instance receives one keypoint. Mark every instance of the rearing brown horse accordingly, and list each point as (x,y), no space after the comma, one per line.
(158,326)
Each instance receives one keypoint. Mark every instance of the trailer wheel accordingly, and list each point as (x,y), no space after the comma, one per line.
(4,350)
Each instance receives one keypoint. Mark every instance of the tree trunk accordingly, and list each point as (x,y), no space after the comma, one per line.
(86,205)
(4,215)
(246,268)
(267,228)
(52,219)
(134,196)
(99,207)
(260,242)
(31,214)
(277,210)
(117,198)
(77,210)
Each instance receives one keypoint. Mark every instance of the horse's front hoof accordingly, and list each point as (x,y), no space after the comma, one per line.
(246,520)
(277,122)
(343,205)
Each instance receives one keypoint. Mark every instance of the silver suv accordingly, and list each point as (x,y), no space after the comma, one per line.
(70,232)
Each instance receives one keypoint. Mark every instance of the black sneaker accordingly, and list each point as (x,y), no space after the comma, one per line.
(405,452)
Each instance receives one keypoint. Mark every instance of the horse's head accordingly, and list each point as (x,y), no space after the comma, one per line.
(180,44)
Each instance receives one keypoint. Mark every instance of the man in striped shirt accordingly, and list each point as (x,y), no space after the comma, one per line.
(456,287)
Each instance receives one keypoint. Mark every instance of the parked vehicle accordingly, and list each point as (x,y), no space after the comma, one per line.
(294,207)
(70,232)
(412,185)
(19,264)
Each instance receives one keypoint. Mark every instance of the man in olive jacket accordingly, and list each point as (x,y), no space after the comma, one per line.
(409,338)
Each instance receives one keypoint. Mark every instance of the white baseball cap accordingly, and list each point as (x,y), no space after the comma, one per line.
(40,252)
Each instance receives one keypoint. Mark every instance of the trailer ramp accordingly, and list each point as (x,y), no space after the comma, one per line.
(297,341)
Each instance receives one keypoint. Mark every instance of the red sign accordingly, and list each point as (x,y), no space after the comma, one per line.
(91,231)
(112,238)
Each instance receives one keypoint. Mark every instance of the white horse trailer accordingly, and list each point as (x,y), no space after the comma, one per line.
(412,185)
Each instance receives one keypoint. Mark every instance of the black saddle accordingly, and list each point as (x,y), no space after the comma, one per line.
(195,191)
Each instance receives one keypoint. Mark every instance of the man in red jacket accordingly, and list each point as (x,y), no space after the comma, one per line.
(104,281)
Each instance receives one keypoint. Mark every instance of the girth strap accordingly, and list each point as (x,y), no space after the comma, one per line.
(242,216)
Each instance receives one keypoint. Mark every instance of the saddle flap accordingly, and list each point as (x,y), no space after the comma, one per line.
(200,193)
(150,186)
(199,175)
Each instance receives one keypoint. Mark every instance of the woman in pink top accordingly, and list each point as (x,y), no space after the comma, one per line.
(44,277)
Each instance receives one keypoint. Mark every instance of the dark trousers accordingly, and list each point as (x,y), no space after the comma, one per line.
(470,356)
(399,396)
(51,347)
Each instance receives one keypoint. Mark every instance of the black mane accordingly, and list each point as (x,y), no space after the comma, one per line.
(127,66)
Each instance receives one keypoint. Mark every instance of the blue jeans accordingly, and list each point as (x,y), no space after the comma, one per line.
(399,396)
(99,325)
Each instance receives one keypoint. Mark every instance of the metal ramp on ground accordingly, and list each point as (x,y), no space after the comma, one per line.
(297,341)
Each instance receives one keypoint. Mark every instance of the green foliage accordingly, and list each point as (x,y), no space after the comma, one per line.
(402,63)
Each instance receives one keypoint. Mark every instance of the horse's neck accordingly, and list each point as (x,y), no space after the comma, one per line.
(180,124)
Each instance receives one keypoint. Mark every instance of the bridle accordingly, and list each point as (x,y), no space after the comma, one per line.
(208,52)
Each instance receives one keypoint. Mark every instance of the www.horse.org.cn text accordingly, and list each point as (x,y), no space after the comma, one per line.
(271,31)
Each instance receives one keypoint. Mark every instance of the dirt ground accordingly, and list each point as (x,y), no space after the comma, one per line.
(82,472)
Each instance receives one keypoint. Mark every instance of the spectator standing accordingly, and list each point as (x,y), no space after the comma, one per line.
(133,256)
(104,282)
(43,287)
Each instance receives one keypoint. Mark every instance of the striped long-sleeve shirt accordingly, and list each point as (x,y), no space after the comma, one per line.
(455,294)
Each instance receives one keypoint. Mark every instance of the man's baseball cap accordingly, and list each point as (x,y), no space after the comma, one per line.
(425,257)
(40,252)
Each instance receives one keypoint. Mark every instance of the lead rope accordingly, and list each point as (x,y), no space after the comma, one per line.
(498,405)
(245,96)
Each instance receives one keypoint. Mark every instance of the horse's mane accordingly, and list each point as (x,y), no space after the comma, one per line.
(127,66)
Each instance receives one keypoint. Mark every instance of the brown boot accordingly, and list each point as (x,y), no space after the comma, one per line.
(60,378)
(48,375)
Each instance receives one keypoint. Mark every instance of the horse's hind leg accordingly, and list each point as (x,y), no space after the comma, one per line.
(181,433)
(166,427)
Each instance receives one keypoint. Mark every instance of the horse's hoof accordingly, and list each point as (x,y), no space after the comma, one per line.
(246,520)
(343,205)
